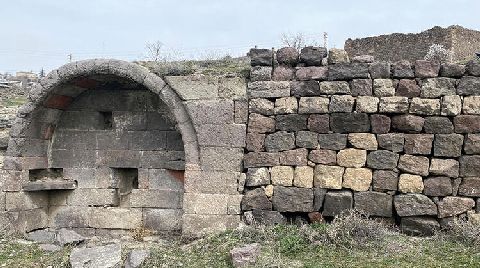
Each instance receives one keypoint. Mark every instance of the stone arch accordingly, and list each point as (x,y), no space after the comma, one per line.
(122,69)
(31,134)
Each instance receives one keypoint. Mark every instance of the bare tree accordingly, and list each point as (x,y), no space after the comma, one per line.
(154,50)
(296,41)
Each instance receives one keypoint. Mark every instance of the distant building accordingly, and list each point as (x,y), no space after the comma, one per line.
(393,47)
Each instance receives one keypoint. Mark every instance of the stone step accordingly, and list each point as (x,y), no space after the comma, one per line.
(48,185)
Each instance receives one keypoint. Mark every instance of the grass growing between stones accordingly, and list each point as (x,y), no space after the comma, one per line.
(349,241)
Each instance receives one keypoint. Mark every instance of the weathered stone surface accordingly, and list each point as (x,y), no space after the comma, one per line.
(319,123)
(453,205)
(312,56)
(305,88)
(385,180)
(256,199)
(402,69)
(393,105)
(312,73)
(471,105)
(332,141)
(473,67)
(307,139)
(444,167)
(438,125)
(351,158)
(419,226)
(472,144)
(380,123)
(364,141)
(287,56)
(336,202)
(279,141)
(41,236)
(292,199)
(136,258)
(348,71)
(414,164)
(318,197)
(349,122)
(367,104)
(297,157)
(291,122)
(329,177)
(245,256)
(418,143)
(414,205)
(383,88)
(374,203)
(382,159)
(255,142)
(334,87)
(451,105)
(379,70)
(391,141)
(286,105)
(336,56)
(467,123)
(408,123)
(437,87)
(260,57)
(448,145)
(468,85)
(98,256)
(257,177)
(261,106)
(341,103)
(264,217)
(68,237)
(326,157)
(361,87)
(303,177)
(310,105)
(261,73)
(281,175)
(452,70)
(470,187)
(363,59)
(408,88)
(268,89)
(408,183)
(357,179)
(425,69)
(437,186)
(260,124)
(425,106)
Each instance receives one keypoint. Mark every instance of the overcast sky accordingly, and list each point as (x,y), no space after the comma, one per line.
(41,34)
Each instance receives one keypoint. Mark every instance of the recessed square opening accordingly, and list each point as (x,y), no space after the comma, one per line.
(127,180)
(45,174)
(107,119)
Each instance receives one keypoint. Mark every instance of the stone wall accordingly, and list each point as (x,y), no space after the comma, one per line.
(398,46)
(398,141)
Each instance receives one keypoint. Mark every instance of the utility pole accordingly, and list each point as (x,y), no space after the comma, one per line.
(70,57)
(325,39)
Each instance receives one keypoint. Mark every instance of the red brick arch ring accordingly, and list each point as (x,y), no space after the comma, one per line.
(28,144)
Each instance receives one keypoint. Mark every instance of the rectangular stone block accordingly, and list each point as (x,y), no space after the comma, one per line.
(260,124)
(205,203)
(156,198)
(93,197)
(393,105)
(304,88)
(212,182)
(467,123)
(126,120)
(292,199)
(470,166)
(336,202)
(159,121)
(74,139)
(211,111)
(72,159)
(118,158)
(161,220)
(241,112)
(162,159)
(374,203)
(195,225)
(334,87)
(234,204)
(12,181)
(268,89)
(16,201)
(232,135)
(81,120)
(221,159)
(69,217)
(141,140)
(310,105)
(163,179)
(349,122)
(232,88)
(425,106)
(28,220)
(115,218)
(194,87)
(261,159)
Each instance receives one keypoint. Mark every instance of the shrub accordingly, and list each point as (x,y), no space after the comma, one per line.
(438,53)
(463,231)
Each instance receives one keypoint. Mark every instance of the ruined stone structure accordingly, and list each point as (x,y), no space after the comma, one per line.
(105,147)
(394,47)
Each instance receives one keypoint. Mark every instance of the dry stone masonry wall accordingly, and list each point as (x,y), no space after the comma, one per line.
(396,140)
